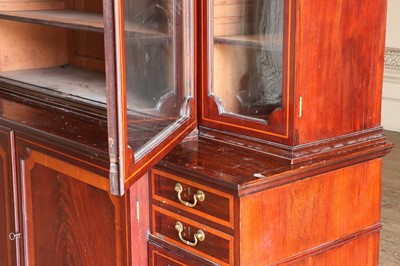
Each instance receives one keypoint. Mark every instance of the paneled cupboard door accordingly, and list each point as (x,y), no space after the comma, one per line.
(67,215)
(247,52)
(154,76)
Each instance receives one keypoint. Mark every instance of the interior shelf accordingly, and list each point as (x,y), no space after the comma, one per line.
(249,40)
(67,81)
(71,19)
(78,20)
(81,85)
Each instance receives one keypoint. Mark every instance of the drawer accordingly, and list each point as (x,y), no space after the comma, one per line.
(194,237)
(159,256)
(215,205)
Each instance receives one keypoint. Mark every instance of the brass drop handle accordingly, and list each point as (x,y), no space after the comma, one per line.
(199,236)
(199,196)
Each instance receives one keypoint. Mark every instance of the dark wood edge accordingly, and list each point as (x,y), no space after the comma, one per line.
(330,245)
(77,154)
(323,165)
(300,153)
(112,106)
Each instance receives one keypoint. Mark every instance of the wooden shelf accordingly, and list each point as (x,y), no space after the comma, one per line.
(67,82)
(79,20)
(81,85)
(250,40)
(71,19)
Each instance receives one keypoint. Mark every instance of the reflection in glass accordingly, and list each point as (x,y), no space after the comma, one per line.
(247,56)
(155,43)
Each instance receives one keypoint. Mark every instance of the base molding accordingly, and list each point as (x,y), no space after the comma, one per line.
(328,148)
(375,229)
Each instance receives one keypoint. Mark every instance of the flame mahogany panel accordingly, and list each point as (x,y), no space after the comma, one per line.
(67,215)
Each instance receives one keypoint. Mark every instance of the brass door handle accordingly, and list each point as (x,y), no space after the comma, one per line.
(199,196)
(199,236)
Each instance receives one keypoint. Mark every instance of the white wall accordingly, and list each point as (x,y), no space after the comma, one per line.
(391,79)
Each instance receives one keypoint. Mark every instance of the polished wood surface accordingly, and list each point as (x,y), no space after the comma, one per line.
(63,209)
(139,206)
(74,131)
(245,172)
(339,67)
(345,253)
(390,234)
(289,220)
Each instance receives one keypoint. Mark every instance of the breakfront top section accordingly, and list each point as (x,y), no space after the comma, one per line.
(290,78)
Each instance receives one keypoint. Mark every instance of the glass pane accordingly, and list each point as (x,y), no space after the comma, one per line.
(158,33)
(247,56)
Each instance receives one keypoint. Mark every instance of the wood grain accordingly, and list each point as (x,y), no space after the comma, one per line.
(293,218)
(339,66)
(62,217)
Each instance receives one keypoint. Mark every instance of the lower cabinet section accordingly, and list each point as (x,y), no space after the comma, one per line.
(56,209)
(331,218)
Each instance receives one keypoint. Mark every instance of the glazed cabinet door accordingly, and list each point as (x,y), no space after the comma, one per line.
(67,215)
(128,64)
(8,235)
(246,57)
(152,84)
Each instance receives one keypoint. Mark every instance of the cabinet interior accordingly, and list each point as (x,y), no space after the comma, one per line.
(55,45)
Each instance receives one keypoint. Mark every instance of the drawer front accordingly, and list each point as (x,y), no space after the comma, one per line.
(192,197)
(194,237)
(159,256)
